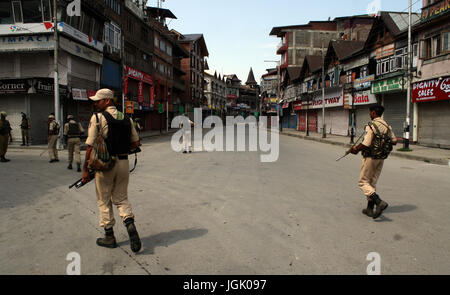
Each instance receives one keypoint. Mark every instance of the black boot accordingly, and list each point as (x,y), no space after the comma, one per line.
(135,242)
(70,166)
(109,241)
(369,210)
(3,159)
(78,167)
(381,205)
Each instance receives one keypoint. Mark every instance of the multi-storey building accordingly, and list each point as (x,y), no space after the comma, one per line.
(27,61)
(431,82)
(194,67)
(215,92)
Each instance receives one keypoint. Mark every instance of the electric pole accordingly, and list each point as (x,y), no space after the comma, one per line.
(56,81)
(324,133)
(408,85)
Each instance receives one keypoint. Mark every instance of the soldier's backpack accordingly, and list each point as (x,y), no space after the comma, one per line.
(381,145)
(100,159)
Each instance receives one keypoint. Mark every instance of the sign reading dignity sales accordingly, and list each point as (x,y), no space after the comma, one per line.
(431,90)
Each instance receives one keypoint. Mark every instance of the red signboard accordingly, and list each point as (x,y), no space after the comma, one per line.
(138,75)
(297,106)
(431,90)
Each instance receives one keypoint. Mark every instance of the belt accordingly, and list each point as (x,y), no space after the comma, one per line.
(122,157)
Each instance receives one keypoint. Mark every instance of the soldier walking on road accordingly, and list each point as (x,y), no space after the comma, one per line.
(375,148)
(112,186)
(5,131)
(53,133)
(25,127)
(73,131)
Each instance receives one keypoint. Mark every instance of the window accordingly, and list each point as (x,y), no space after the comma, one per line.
(47,10)
(169,50)
(156,42)
(436,45)
(162,45)
(446,42)
(17,11)
(6,16)
(113,36)
(32,11)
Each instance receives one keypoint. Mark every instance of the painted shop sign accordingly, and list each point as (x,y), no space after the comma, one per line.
(29,42)
(431,90)
(80,36)
(388,85)
(80,50)
(435,10)
(385,51)
(30,86)
(26,29)
(333,98)
(363,98)
(362,83)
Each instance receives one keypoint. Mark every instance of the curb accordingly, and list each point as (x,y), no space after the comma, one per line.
(404,155)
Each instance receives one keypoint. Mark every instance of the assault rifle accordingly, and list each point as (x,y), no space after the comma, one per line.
(79,183)
(350,150)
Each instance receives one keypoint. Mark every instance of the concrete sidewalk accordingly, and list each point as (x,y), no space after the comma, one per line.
(419,153)
(143,135)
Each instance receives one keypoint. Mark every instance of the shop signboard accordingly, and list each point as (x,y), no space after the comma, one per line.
(431,90)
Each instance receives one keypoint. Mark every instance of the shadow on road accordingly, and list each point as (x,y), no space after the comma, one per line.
(169,238)
(400,209)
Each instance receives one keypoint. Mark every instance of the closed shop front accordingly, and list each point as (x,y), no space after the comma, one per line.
(433,99)
(363,100)
(394,101)
(395,111)
(35,98)
(312,120)
(336,117)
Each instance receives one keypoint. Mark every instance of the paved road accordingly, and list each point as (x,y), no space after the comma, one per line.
(228,213)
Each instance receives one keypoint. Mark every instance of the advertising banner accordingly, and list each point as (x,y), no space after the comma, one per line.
(431,90)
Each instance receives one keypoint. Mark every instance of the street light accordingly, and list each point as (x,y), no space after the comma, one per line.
(278,89)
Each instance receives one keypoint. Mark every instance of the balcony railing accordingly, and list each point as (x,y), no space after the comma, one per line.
(282,47)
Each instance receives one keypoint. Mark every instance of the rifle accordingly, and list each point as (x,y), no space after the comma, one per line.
(79,183)
(350,150)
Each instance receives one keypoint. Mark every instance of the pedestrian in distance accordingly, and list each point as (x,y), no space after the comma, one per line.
(120,137)
(375,148)
(25,128)
(5,134)
(72,133)
(52,139)
(187,146)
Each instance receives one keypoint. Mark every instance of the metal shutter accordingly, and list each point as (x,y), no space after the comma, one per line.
(434,123)
(395,111)
(362,118)
(13,105)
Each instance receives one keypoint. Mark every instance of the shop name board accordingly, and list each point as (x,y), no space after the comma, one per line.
(31,42)
(31,86)
(138,75)
(80,36)
(80,50)
(365,82)
(332,99)
(363,98)
(431,90)
(435,10)
(388,85)
(385,51)
(26,29)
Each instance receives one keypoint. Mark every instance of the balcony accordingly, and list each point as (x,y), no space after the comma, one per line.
(281,48)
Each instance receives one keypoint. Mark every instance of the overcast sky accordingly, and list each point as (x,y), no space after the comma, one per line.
(237,31)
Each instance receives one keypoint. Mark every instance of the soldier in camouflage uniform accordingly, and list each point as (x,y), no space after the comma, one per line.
(374,152)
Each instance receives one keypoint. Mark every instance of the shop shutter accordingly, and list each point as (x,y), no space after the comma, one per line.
(395,111)
(362,118)
(13,105)
(434,122)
